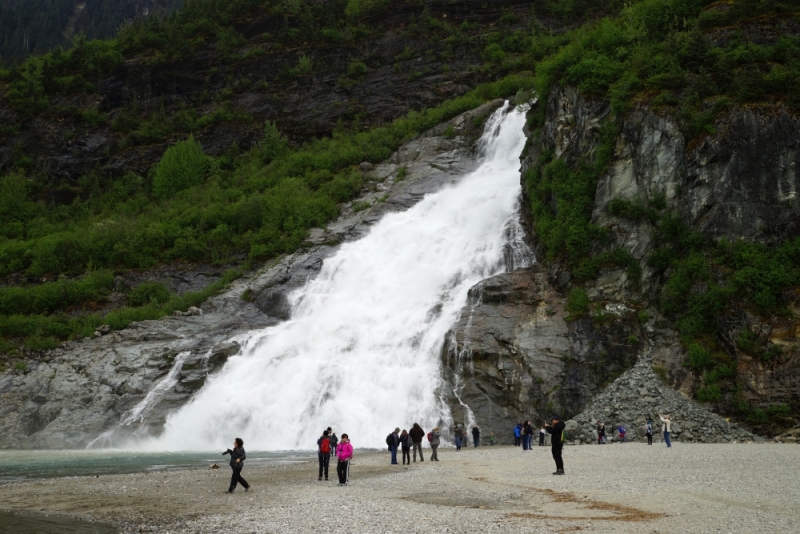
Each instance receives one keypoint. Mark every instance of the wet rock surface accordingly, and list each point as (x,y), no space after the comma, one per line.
(514,355)
(73,394)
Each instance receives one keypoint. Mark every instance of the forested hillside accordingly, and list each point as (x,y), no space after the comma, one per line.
(30,27)
(223,133)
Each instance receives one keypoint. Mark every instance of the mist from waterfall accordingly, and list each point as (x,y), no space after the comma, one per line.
(362,350)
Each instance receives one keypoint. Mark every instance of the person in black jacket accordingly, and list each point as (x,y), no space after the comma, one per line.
(556,430)
(237,463)
(527,435)
(417,434)
(476,435)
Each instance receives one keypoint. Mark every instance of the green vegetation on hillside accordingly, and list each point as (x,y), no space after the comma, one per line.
(690,59)
(261,205)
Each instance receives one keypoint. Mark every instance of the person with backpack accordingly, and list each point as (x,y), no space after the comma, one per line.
(601,433)
(648,431)
(517,434)
(405,445)
(666,427)
(417,434)
(434,439)
(324,454)
(334,442)
(458,433)
(238,457)
(542,434)
(623,433)
(556,430)
(476,435)
(392,440)
(344,451)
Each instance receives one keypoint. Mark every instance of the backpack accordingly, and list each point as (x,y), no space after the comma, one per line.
(389,440)
(325,446)
(430,438)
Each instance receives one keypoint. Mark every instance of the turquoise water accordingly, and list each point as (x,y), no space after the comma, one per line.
(49,524)
(21,465)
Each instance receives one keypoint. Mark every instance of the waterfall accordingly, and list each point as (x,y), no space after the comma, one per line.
(361,352)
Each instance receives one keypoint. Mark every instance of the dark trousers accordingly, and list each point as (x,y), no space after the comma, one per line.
(541,440)
(557,448)
(475,442)
(406,455)
(526,441)
(236,478)
(667,440)
(649,439)
(517,441)
(417,447)
(324,462)
(343,470)
(393,449)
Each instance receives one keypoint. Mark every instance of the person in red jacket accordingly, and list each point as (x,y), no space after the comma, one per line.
(344,451)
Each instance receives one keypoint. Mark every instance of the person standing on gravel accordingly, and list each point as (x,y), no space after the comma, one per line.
(334,442)
(344,451)
(417,434)
(435,436)
(405,446)
(601,433)
(527,435)
(542,434)
(666,427)
(556,430)
(648,431)
(237,463)
(392,440)
(623,433)
(517,434)
(458,433)
(476,435)
(324,454)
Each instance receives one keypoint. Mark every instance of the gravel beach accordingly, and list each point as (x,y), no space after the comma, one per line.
(610,488)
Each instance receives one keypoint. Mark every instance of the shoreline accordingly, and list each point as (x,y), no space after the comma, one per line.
(611,488)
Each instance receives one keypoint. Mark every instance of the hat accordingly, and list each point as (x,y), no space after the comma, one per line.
(397,430)
(554,416)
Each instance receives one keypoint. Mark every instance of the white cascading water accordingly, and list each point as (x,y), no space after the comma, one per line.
(361,352)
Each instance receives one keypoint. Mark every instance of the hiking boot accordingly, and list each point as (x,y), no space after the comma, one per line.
(319,479)
(559,472)
(326,479)
(247,489)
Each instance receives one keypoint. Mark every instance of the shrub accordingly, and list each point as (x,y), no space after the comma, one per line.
(699,356)
(304,66)
(577,302)
(148,293)
(356,69)
(181,167)
(710,393)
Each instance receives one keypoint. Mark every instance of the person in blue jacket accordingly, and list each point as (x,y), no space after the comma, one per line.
(517,434)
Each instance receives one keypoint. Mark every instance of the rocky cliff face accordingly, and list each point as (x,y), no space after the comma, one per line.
(516,354)
(127,382)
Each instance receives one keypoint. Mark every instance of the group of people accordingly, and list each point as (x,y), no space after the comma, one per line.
(411,440)
(523,434)
(666,429)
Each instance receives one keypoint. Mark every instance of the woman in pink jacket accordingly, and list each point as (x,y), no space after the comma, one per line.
(344,451)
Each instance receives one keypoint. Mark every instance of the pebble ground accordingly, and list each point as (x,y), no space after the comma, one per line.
(698,488)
